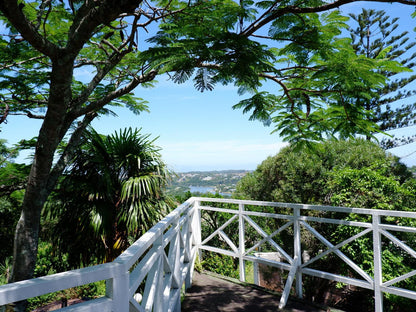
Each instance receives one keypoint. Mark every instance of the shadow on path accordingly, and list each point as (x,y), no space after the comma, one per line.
(209,294)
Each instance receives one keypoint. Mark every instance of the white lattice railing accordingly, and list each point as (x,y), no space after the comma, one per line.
(300,220)
(161,262)
(157,265)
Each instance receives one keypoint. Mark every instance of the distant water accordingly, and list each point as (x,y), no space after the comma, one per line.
(202,189)
(206,189)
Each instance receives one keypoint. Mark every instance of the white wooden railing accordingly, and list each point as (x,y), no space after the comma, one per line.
(160,264)
(299,219)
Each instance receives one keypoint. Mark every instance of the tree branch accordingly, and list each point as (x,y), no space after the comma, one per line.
(5,114)
(69,151)
(28,114)
(13,11)
(265,19)
(7,66)
(101,73)
(90,16)
(94,106)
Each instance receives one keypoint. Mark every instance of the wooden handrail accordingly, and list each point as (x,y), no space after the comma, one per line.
(162,260)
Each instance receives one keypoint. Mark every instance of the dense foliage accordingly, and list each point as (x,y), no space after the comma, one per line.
(354,173)
(307,175)
(45,45)
(112,193)
(13,177)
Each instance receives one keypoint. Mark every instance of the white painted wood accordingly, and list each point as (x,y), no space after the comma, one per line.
(141,270)
(392,213)
(165,274)
(269,239)
(102,304)
(399,243)
(368,281)
(229,242)
(241,243)
(158,305)
(43,285)
(399,292)
(288,284)
(335,221)
(219,229)
(219,250)
(297,258)
(167,286)
(339,278)
(151,286)
(338,252)
(265,261)
(135,306)
(121,295)
(174,259)
(337,246)
(256,273)
(378,273)
(390,227)
(399,278)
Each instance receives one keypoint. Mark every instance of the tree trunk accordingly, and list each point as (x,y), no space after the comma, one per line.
(27,230)
(54,128)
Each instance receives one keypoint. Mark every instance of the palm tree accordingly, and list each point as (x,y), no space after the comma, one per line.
(112,193)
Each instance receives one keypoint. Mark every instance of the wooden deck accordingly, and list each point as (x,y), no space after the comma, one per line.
(211,293)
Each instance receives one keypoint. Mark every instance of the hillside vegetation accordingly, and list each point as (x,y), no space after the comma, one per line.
(223,182)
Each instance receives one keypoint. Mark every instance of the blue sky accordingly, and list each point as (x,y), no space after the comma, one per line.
(200,131)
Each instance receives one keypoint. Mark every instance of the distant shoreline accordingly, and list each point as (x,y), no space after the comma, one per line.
(219,181)
(218,171)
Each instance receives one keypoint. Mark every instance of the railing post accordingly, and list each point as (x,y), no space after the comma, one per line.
(174,257)
(297,251)
(295,272)
(117,289)
(378,273)
(195,238)
(241,244)
(152,290)
(187,228)
(197,232)
(256,274)
(196,228)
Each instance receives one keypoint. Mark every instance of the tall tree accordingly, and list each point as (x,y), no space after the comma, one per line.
(319,79)
(49,42)
(113,191)
(374,32)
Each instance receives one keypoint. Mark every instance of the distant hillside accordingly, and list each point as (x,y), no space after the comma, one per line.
(223,182)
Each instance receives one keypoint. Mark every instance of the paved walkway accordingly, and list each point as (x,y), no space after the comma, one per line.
(210,294)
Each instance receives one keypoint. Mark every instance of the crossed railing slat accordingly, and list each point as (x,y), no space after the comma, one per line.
(156,267)
(294,264)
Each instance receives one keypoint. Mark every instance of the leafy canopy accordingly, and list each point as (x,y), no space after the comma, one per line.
(317,73)
(313,176)
(114,191)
